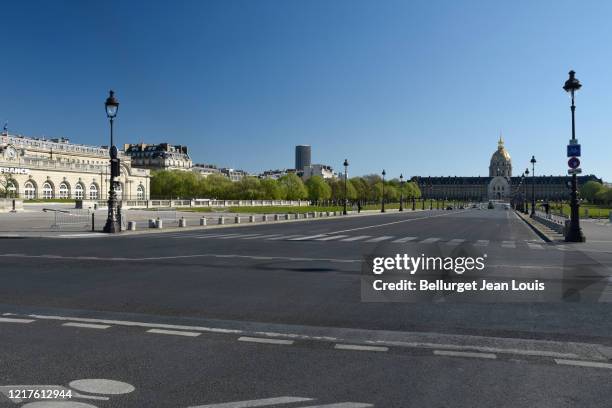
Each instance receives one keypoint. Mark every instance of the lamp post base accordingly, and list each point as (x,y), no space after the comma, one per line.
(575,236)
(113,221)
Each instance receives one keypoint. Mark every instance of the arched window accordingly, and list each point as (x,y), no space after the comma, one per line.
(79,191)
(29,191)
(47,190)
(93,192)
(140,192)
(64,191)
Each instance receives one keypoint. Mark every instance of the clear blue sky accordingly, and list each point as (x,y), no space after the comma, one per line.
(415,87)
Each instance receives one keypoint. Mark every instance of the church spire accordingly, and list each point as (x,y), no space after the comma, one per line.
(500,143)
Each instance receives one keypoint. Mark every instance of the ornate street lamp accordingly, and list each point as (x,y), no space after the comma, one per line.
(346,164)
(401,192)
(575,233)
(526,174)
(113,222)
(533,204)
(382,209)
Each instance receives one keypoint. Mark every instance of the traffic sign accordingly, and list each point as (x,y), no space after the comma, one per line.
(573,163)
(573,150)
(574,171)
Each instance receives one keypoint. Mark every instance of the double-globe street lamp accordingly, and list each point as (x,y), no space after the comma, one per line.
(346,164)
(382,208)
(575,233)
(533,203)
(113,221)
(401,178)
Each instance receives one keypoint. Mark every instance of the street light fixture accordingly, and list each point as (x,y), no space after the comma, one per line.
(575,233)
(113,221)
(401,192)
(382,209)
(346,164)
(533,162)
(526,178)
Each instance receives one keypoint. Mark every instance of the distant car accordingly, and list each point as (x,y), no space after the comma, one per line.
(506,206)
(490,206)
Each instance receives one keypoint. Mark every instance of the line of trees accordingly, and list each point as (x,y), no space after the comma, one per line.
(186,185)
(596,193)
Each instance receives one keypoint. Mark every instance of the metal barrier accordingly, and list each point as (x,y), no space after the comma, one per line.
(165,215)
(70,218)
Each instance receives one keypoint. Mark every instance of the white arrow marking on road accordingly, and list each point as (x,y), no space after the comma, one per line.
(255,403)
(378,239)
(402,240)
(357,238)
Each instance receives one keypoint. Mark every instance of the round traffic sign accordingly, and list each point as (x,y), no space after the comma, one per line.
(573,163)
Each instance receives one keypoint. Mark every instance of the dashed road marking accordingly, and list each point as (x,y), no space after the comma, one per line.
(482,242)
(333,237)
(356,238)
(358,347)
(87,325)
(265,340)
(378,239)
(255,403)
(464,354)
(11,320)
(508,244)
(283,237)
(342,405)
(242,236)
(174,332)
(430,240)
(307,238)
(403,240)
(592,364)
(263,236)
(456,241)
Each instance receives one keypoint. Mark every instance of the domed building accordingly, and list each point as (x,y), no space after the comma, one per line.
(499,185)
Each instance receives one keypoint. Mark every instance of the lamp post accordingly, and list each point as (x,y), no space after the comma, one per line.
(401,192)
(533,162)
(346,164)
(113,221)
(575,233)
(382,209)
(526,174)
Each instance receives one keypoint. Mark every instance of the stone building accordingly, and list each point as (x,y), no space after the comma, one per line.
(162,156)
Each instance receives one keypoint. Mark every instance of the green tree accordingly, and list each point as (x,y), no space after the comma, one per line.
(293,187)
(318,189)
(271,189)
(590,189)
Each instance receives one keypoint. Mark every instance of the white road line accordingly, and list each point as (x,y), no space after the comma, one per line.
(430,240)
(255,403)
(464,354)
(89,235)
(10,320)
(333,237)
(211,236)
(263,236)
(402,240)
(455,241)
(534,246)
(342,405)
(239,236)
(592,364)
(357,238)
(378,239)
(482,242)
(308,237)
(264,340)
(87,325)
(174,332)
(360,348)
(283,237)
(508,244)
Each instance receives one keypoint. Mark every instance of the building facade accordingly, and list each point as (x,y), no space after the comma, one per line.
(35,168)
(302,157)
(500,184)
(162,156)
(321,170)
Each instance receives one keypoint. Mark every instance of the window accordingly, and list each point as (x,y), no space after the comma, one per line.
(47,191)
(140,192)
(93,192)
(79,191)
(64,191)
(29,190)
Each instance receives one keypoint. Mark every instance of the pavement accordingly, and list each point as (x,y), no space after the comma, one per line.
(272,315)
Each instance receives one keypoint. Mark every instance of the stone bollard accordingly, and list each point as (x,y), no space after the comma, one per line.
(221,220)
(275,217)
(182,222)
(237,220)
(203,222)
(152,223)
(264,218)
(327,213)
(314,214)
(286,216)
(320,214)
(131,225)
(159,223)
(297,216)
(251,218)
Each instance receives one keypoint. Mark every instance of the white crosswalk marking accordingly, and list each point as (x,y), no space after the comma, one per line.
(402,240)
(456,241)
(238,236)
(357,238)
(508,244)
(534,246)
(255,403)
(331,238)
(282,237)
(214,236)
(263,236)
(430,240)
(378,239)
(308,237)
(482,242)
(342,405)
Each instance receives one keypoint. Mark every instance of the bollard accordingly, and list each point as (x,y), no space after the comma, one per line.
(297,216)
(314,214)
(182,222)
(93,221)
(237,220)
(286,216)
(275,217)
(159,224)
(221,220)
(264,218)
(152,223)
(251,218)
(203,222)
(320,214)
(131,225)
(327,213)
